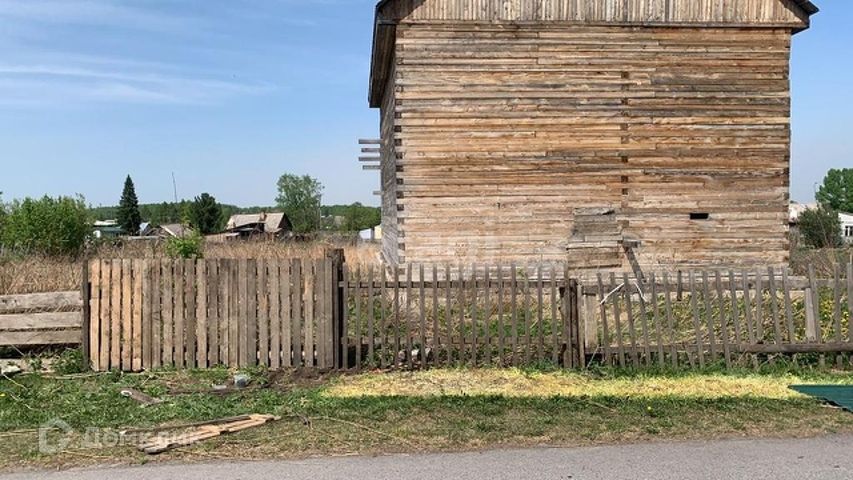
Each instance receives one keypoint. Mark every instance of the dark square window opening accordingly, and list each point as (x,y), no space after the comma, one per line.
(700,216)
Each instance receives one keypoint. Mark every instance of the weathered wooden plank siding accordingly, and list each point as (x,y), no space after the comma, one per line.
(743,12)
(390,237)
(503,130)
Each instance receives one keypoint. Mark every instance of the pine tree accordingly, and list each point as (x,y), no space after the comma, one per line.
(129,217)
(205,214)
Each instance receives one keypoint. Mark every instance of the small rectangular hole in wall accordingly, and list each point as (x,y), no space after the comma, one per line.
(700,216)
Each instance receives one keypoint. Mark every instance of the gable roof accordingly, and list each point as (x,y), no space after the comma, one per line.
(273,222)
(384,35)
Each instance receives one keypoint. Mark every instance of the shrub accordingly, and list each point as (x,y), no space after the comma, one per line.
(821,227)
(189,247)
(69,362)
(47,226)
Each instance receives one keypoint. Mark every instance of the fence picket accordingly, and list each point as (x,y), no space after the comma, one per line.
(94,332)
(126,339)
(514,322)
(555,315)
(759,308)
(606,341)
(422,349)
(774,306)
(669,321)
(836,310)
(297,322)
(501,331)
(473,296)
(656,319)
(724,327)
(735,309)
(789,313)
(644,324)
(190,313)
(629,311)
(487,315)
(383,320)
(706,299)
(408,330)
(700,356)
(528,345)
(615,295)
(371,339)
(213,316)
(105,311)
(136,316)
(448,316)
(357,311)
(156,314)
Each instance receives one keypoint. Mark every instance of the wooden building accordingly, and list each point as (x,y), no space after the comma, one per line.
(593,131)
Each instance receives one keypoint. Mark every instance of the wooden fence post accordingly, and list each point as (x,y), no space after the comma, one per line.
(337,291)
(85,296)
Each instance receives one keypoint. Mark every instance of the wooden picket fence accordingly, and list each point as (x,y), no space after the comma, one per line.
(420,316)
(734,318)
(318,313)
(147,314)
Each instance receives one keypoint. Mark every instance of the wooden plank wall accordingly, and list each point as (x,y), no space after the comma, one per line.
(643,12)
(503,130)
(156,313)
(41,319)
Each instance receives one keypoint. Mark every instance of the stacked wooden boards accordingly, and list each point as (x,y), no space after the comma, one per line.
(502,130)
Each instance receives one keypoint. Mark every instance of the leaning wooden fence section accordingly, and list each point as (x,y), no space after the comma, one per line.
(41,319)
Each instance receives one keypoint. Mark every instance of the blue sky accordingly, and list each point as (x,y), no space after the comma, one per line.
(230,94)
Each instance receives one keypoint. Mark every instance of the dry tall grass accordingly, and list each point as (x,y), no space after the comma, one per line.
(34,274)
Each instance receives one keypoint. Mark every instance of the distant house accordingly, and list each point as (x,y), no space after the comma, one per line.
(371,234)
(107,229)
(174,230)
(272,225)
(846,226)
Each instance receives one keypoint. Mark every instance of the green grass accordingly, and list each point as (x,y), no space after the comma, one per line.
(424,411)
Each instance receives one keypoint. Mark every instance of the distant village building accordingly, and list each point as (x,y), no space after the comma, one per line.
(587,131)
(846,226)
(256,225)
(373,234)
(106,229)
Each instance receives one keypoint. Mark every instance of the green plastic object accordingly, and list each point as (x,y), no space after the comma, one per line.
(838,395)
